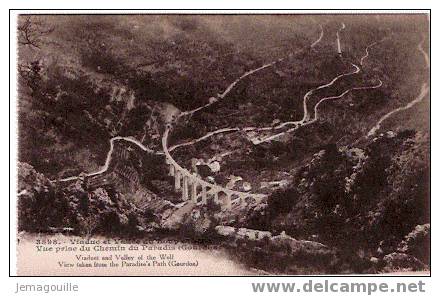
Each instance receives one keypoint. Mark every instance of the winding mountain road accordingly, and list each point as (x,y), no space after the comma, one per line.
(315,109)
(210,134)
(424,53)
(424,89)
(306,116)
(367,53)
(246,74)
(305,108)
(109,157)
(182,114)
(423,92)
(229,88)
(305,120)
(319,38)
(310,92)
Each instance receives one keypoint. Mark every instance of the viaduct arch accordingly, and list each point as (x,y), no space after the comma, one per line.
(194,188)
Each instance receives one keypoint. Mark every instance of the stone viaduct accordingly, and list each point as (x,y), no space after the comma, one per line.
(198,190)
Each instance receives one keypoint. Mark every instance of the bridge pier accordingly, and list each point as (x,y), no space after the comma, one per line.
(204,201)
(177,180)
(187,183)
(228,204)
(194,191)
(185,188)
(243,199)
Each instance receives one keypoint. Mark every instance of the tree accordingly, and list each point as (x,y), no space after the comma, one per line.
(89,224)
(31,31)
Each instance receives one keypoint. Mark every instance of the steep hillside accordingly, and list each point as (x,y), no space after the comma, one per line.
(325,116)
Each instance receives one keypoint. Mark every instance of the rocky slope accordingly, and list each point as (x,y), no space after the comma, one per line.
(367,202)
(338,201)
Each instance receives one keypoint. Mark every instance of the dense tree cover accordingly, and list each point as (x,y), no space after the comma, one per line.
(361,201)
(66,113)
(184,61)
(117,76)
(78,100)
(44,206)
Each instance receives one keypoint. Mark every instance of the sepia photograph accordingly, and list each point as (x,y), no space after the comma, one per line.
(228,144)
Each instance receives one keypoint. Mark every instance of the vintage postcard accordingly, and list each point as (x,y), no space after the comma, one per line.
(223,144)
